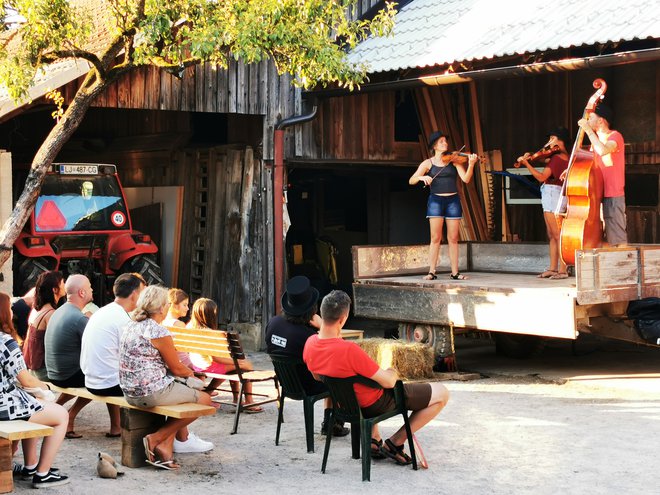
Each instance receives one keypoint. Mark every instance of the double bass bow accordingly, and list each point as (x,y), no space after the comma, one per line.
(581,227)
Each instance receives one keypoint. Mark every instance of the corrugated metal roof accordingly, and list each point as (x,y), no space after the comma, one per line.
(439,32)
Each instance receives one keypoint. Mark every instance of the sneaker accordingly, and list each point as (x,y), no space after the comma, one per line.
(193,444)
(48,480)
(20,471)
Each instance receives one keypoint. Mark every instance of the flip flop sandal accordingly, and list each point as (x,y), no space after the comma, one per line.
(72,434)
(169,465)
(252,410)
(430,276)
(377,453)
(396,453)
(457,276)
(559,276)
(547,274)
(112,435)
(147,452)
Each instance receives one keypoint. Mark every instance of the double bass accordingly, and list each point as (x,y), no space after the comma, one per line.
(583,187)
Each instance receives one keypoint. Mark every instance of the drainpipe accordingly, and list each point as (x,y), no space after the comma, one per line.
(278,198)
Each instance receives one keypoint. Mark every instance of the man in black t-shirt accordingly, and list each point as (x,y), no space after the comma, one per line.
(287,334)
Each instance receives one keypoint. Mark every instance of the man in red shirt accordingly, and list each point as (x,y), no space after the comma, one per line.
(609,157)
(328,354)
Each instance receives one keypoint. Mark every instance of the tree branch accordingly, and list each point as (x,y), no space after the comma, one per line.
(56,55)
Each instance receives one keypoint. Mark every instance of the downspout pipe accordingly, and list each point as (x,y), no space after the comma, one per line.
(570,64)
(278,198)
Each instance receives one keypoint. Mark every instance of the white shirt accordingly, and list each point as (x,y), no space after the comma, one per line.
(99,356)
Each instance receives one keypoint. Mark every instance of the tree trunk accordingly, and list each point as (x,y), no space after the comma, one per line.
(42,161)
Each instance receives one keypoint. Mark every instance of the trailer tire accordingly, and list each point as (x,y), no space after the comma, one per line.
(518,346)
(146,266)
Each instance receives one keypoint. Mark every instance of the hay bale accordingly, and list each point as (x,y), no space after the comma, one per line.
(412,360)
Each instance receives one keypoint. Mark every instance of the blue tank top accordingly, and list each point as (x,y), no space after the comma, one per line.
(445,179)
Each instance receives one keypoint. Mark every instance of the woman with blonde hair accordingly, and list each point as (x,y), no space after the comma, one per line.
(148,365)
(17,403)
(205,317)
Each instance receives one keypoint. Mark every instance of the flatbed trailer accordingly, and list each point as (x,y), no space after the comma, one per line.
(503,294)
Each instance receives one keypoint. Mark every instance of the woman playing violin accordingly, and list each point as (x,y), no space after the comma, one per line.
(440,173)
(558,142)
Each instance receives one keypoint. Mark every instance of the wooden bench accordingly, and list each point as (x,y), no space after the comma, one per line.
(10,431)
(217,343)
(136,422)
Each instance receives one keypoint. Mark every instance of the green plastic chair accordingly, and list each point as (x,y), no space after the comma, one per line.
(346,408)
(288,370)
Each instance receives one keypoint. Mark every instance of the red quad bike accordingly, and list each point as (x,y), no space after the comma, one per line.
(80,224)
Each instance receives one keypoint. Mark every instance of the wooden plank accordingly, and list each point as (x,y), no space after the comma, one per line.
(18,430)
(245,249)
(483,302)
(381,261)
(186,410)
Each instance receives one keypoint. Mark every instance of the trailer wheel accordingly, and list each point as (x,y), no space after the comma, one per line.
(146,266)
(518,346)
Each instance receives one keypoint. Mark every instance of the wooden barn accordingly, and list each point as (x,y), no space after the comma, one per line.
(497,91)
(218,164)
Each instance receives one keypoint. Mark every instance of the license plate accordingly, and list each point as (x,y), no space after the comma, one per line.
(79,169)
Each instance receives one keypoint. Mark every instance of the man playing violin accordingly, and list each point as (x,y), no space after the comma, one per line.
(558,142)
(609,157)
(440,173)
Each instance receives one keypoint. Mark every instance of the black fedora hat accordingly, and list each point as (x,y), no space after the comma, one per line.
(434,136)
(602,110)
(299,296)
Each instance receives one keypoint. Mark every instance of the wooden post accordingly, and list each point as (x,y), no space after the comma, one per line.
(134,426)
(6,454)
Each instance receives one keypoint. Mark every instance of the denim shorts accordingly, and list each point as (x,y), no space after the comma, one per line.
(550,195)
(444,207)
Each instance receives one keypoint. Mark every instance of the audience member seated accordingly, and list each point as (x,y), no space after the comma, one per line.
(148,365)
(62,342)
(287,334)
(17,403)
(48,292)
(330,355)
(205,317)
(99,354)
(178,309)
(21,308)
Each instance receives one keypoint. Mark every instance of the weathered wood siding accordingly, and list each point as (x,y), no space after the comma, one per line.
(255,90)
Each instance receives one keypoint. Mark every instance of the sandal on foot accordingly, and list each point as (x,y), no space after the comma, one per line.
(559,276)
(547,274)
(430,276)
(457,276)
(170,465)
(147,451)
(72,434)
(396,453)
(377,452)
(252,410)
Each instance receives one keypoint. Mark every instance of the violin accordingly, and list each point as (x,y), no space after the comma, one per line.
(545,152)
(457,157)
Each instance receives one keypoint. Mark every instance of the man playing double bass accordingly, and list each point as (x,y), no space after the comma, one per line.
(607,145)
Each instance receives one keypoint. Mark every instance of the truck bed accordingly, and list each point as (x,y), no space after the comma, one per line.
(388,285)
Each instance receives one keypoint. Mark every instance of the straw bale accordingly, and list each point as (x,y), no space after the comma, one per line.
(412,360)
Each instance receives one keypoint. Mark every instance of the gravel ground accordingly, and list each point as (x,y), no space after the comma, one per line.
(508,434)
